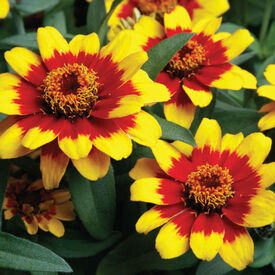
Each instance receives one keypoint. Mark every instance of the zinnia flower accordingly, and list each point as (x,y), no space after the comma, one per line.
(197,9)
(38,207)
(207,195)
(202,63)
(4,8)
(77,103)
(268,120)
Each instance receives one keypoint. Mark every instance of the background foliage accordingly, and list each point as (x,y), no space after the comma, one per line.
(102,240)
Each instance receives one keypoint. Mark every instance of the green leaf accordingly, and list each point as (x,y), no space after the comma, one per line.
(4,175)
(172,131)
(160,54)
(269,44)
(57,20)
(94,201)
(75,244)
(267,255)
(234,120)
(136,254)
(243,58)
(18,253)
(216,267)
(95,15)
(29,165)
(27,40)
(43,273)
(103,29)
(30,6)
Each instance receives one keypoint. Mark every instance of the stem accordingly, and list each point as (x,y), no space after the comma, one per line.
(265,23)
(18,21)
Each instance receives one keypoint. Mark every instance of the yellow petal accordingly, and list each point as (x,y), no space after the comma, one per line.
(150,91)
(262,209)
(270,74)
(237,43)
(145,168)
(238,248)
(65,211)
(146,130)
(185,148)
(231,142)
(94,166)
(5,8)
(56,227)
(10,139)
(89,44)
(53,166)
(266,172)
(76,148)
(209,134)
(131,64)
(50,40)
(178,18)
(267,91)
(180,114)
(118,145)
(256,146)
(267,121)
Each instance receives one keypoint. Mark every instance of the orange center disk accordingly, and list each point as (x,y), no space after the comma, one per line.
(155,6)
(187,61)
(70,91)
(210,187)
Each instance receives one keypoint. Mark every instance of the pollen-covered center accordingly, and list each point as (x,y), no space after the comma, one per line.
(209,188)
(158,7)
(69,91)
(187,61)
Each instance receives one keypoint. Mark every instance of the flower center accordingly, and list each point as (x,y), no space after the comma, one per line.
(209,188)
(155,6)
(27,201)
(187,61)
(69,91)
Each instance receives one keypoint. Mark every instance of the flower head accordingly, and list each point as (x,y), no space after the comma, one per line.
(268,120)
(197,9)
(77,102)
(38,207)
(207,195)
(201,64)
(4,8)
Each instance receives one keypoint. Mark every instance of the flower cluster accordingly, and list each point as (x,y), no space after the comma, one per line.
(87,102)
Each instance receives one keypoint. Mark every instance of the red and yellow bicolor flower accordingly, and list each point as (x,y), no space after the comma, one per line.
(206,196)
(4,8)
(268,91)
(203,63)
(197,9)
(76,102)
(37,207)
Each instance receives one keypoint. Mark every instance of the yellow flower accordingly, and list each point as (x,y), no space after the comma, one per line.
(4,8)
(207,195)
(77,102)
(38,207)
(268,120)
